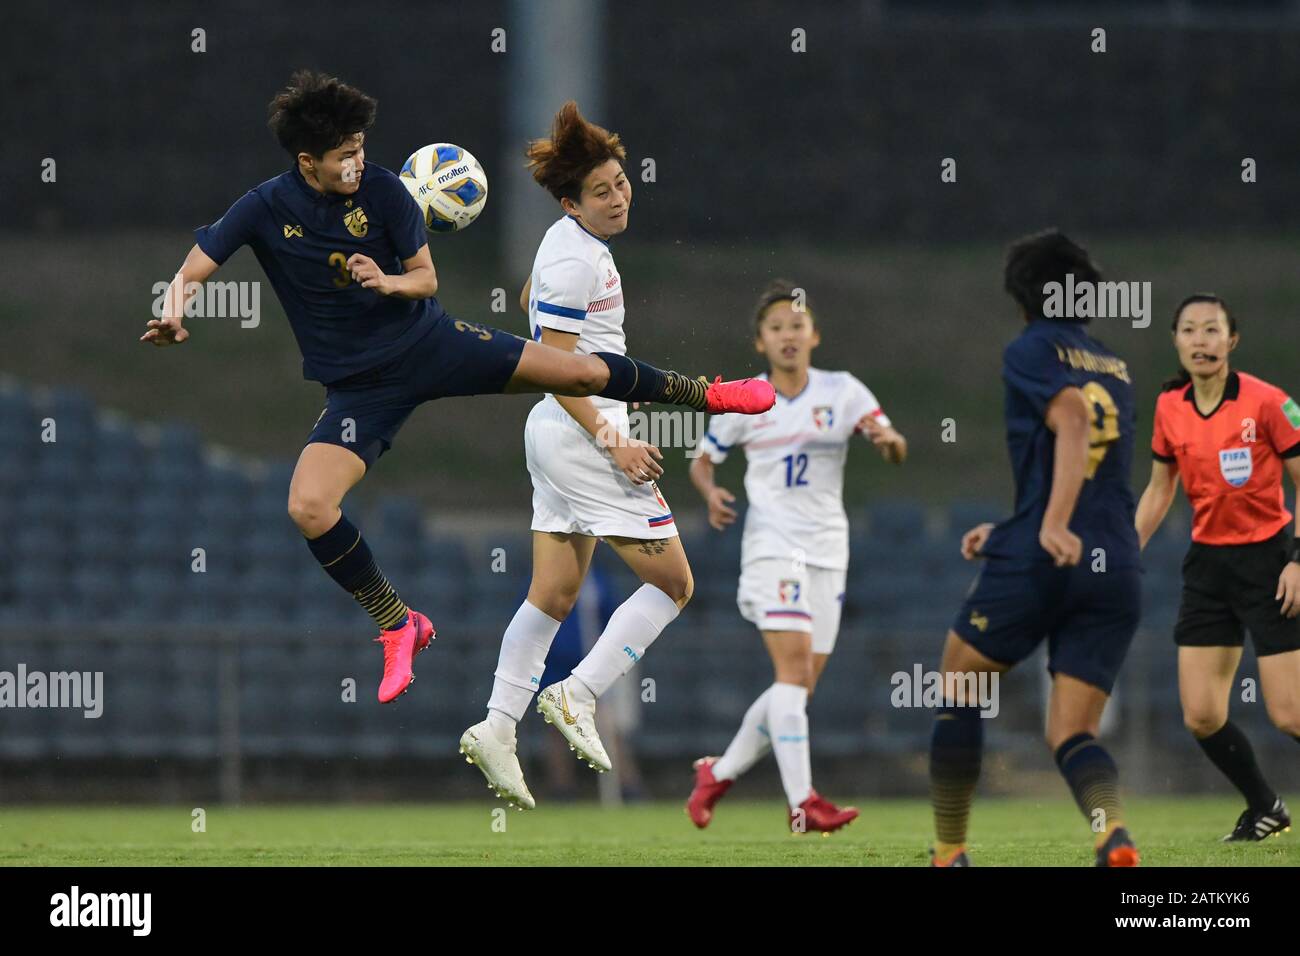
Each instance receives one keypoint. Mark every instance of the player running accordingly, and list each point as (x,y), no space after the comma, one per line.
(1064,566)
(795,549)
(590,480)
(1227,436)
(344,246)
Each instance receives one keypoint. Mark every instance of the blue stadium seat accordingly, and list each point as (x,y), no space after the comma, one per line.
(398,515)
(94,544)
(40,542)
(964,515)
(897,521)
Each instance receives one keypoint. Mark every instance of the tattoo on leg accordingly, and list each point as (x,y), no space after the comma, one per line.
(651,548)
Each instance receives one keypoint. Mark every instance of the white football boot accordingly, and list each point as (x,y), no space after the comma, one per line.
(499,764)
(576,721)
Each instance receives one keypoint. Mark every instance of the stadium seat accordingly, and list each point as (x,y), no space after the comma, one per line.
(897,522)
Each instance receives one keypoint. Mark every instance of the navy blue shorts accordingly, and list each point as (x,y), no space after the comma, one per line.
(364,411)
(1088,617)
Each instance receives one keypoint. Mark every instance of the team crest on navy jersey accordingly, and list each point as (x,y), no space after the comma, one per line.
(788,590)
(823,417)
(357,223)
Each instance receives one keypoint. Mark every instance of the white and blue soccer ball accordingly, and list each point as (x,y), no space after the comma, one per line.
(449,185)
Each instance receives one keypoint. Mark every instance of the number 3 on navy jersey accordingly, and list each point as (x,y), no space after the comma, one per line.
(795,478)
(1103,428)
(339,261)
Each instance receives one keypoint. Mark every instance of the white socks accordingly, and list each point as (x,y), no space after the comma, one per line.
(751,743)
(788,724)
(631,629)
(519,668)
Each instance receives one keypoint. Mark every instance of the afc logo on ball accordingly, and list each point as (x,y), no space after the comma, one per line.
(788,591)
(823,417)
(1235,464)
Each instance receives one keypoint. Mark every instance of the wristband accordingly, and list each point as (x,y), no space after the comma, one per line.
(1295,552)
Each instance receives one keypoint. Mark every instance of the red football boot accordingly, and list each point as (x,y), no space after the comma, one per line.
(820,814)
(707,792)
(748,396)
(400,647)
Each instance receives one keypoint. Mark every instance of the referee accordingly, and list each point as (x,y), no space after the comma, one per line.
(1228,436)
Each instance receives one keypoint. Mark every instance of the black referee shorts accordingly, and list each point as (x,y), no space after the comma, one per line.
(1229,589)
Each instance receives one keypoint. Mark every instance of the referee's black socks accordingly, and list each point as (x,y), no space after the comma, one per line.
(956,750)
(631,380)
(1230,751)
(1093,779)
(346,557)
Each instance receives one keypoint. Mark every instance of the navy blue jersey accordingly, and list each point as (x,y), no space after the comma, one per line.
(304,238)
(1045,358)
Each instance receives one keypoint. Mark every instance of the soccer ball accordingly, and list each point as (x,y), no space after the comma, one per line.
(449,185)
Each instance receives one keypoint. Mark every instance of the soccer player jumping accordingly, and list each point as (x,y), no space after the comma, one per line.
(344,246)
(1064,567)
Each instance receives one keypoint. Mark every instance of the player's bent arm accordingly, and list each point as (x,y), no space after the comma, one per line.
(1293,469)
(719,499)
(1288,582)
(1156,499)
(1069,417)
(419,280)
(701,472)
(197,268)
(581,410)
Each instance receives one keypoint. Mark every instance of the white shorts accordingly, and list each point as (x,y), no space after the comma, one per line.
(577,488)
(775,596)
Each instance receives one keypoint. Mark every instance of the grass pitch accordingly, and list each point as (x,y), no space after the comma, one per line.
(1019,832)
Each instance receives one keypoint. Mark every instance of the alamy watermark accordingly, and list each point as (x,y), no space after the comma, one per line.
(676,428)
(933,689)
(78,690)
(1098,300)
(210,300)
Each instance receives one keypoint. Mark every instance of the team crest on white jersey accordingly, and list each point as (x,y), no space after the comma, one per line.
(1235,464)
(788,591)
(823,417)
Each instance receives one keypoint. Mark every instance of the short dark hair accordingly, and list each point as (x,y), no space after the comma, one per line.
(316,112)
(1183,377)
(560,162)
(1047,256)
(780,290)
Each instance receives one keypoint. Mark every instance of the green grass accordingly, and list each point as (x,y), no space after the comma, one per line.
(1170,831)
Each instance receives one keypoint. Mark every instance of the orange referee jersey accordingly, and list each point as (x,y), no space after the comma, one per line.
(1231,459)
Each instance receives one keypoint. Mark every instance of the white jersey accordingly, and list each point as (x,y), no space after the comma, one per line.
(577,488)
(794,477)
(576,288)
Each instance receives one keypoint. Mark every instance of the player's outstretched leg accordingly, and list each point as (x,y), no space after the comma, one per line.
(570,705)
(1073,720)
(322,477)
(545,369)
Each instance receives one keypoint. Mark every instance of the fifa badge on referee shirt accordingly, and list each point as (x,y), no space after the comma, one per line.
(1235,464)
